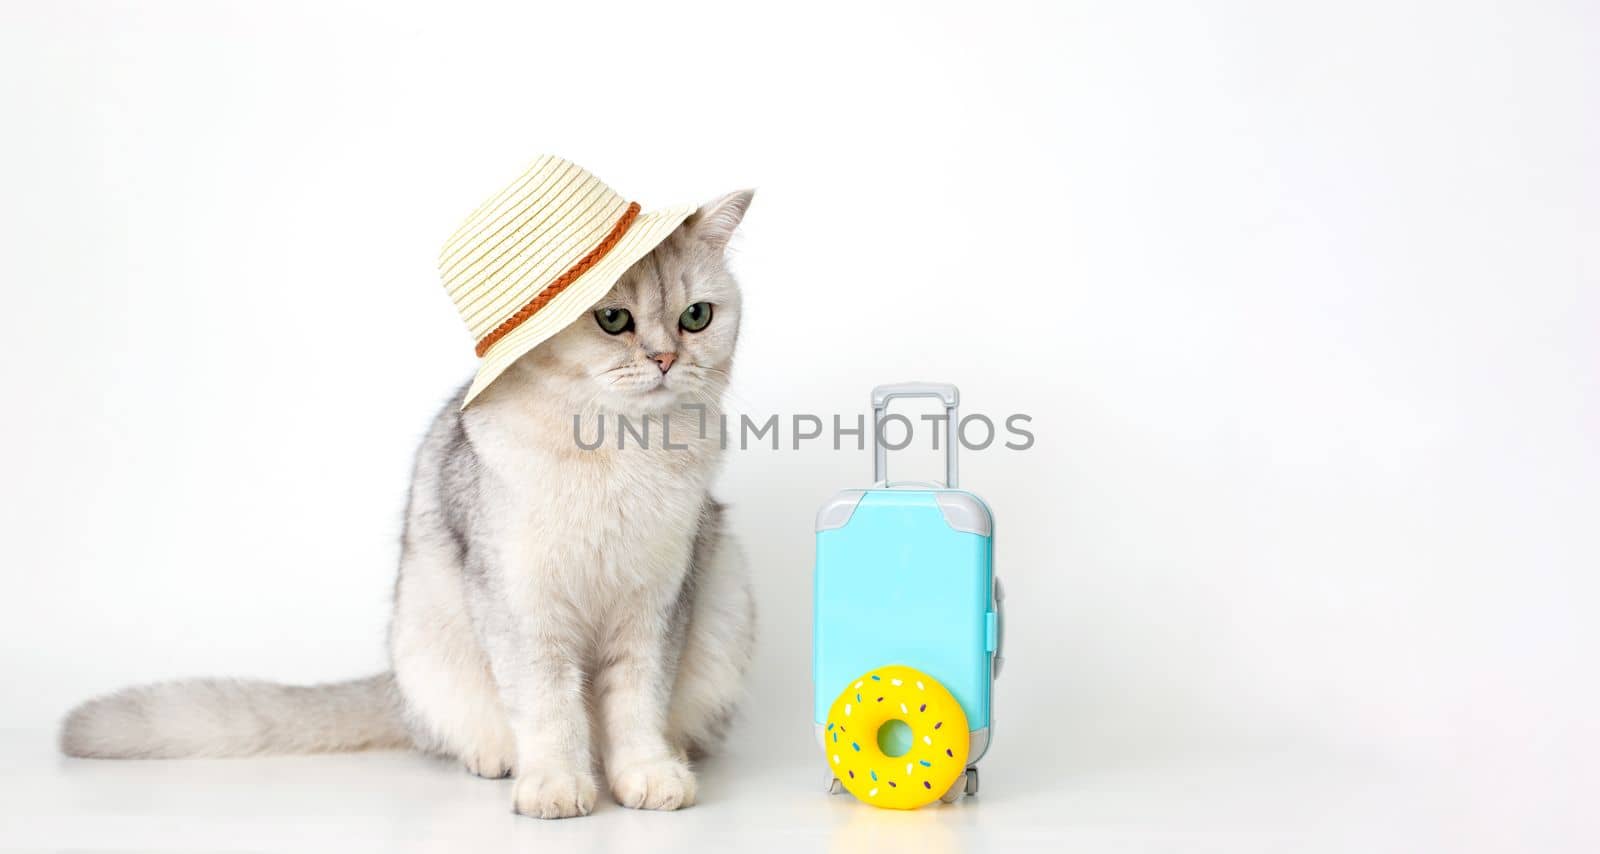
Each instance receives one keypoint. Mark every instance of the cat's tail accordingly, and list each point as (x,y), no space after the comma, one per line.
(235,717)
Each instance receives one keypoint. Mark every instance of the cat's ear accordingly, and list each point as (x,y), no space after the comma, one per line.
(716,220)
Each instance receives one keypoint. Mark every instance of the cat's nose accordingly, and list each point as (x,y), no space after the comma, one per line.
(664,360)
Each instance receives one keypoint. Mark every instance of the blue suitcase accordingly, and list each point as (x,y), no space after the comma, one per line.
(904,575)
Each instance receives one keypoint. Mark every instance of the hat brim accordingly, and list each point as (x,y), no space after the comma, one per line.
(645,234)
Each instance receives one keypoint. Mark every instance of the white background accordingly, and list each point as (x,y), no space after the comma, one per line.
(1303,301)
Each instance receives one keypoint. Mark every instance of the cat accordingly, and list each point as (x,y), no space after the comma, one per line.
(555,606)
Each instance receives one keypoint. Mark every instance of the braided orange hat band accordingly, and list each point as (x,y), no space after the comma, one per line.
(561,282)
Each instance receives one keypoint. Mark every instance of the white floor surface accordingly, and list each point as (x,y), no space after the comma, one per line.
(401,802)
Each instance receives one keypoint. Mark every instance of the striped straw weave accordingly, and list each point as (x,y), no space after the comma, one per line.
(523,238)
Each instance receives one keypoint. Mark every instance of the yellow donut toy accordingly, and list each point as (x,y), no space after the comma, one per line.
(896,738)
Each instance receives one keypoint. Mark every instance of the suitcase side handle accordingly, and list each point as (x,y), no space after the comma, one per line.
(947,394)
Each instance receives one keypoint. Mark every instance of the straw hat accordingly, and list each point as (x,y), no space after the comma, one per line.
(539,254)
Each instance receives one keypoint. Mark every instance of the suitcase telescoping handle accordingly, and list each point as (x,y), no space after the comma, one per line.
(947,394)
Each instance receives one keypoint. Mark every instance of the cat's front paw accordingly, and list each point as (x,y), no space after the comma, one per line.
(490,764)
(661,784)
(553,793)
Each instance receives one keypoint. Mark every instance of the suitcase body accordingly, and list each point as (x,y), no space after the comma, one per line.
(904,574)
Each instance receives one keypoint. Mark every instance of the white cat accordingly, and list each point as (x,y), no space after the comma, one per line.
(542,586)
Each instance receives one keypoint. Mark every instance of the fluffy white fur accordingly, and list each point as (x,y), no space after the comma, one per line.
(557,609)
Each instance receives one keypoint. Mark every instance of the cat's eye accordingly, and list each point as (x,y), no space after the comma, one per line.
(696,317)
(614,321)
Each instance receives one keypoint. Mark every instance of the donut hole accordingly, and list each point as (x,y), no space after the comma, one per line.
(894,738)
